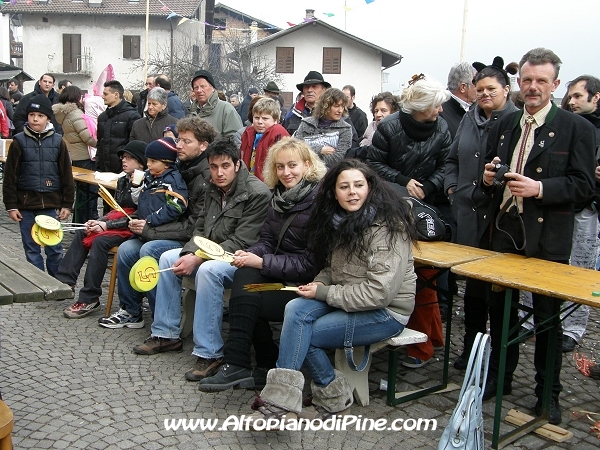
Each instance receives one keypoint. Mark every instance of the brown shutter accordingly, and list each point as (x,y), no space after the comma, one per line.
(135,47)
(332,60)
(66,52)
(284,60)
(71,53)
(126,47)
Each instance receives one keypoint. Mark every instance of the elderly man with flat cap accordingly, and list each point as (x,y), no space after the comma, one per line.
(220,114)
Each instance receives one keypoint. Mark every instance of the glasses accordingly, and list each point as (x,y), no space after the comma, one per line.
(185,141)
(126,157)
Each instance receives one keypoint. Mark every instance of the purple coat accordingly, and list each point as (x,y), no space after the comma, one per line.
(293,262)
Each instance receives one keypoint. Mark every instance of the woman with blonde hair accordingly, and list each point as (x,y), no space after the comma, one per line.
(326,132)
(293,171)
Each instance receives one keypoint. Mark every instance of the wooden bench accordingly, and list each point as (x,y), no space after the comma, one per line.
(359,381)
(22,282)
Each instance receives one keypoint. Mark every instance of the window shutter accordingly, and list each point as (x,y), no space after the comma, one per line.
(285,60)
(135,47)
(332,60)
(126,47)
(71,53)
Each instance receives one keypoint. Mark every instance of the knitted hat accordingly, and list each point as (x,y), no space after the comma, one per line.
(172,129)
(135,149)
(253,90)
(40,103)
(206,75)
(313,77)
(163,149)
(272,87)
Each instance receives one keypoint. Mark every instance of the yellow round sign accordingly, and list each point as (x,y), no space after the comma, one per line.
(47,222)
(145,274)
(50,237)
(208,249)
(35,229)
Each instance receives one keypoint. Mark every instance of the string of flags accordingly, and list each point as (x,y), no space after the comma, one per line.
(172,14)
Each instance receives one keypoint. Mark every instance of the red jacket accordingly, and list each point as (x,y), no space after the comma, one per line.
(4,130)
(272,135)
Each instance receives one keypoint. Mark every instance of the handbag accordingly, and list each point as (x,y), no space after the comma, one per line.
(465,429)
(430,224)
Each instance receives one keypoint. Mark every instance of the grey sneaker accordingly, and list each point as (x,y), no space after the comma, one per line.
(121,319)
(203,368)
(154,345)
(78,310)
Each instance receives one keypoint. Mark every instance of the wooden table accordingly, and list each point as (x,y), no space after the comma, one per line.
(441,255)
(86,176)
(22,282)
(552,279)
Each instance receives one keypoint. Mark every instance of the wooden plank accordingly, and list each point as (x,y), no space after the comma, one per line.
(549,431)
(446,254)
(6,297)
(51,288)
(22,290)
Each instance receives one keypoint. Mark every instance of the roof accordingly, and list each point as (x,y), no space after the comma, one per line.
(7,72)
(221,8)
(183,8)
(388,58)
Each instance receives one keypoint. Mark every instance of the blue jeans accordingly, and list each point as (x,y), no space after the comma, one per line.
(129,253)
(211,279)
(33,252)
(310,326)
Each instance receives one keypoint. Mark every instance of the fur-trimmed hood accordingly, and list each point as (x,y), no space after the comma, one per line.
(62,109)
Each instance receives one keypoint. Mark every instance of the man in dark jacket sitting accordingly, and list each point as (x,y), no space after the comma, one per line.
(235,208)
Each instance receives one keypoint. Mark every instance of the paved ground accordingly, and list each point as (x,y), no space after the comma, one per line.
(72,384)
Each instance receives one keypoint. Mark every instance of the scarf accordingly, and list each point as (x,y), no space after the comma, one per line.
(417,131)
(285,199)
(366,218)
(123,232)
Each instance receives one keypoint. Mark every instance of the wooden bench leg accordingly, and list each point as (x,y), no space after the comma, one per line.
(359,381)
(112,282)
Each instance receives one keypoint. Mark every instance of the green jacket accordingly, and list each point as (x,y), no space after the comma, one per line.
(384,279)
(221,115)
(236,226)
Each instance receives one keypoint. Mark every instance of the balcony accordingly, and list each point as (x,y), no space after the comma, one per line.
(16,49)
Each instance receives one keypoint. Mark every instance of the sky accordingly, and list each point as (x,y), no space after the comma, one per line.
(427,33)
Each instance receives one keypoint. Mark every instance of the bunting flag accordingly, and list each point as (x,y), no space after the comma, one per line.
(291,24)
(369,1)
(329,14)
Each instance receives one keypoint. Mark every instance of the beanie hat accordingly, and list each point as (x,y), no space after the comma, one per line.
(206,75)
(135,149)
(163,149)
(172,129)
(40,103)
(253,90)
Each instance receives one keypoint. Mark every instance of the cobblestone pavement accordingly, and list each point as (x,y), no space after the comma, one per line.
(72,384)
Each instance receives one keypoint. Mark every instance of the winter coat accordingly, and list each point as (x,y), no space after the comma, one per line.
(20,115)
(292,262)
(148,129)
(114,128)
(124,199)
(369,132)
(4,123)
(269,137)
(453,112)
(141,103)
(309,129)
(563,159)
(398,158)
(464,168)
(31,199)
(175,106)
(385,278)
(237,225)
(359,120)
(221,115)
(156,205)
(195,173)
(75,130)
(243,112)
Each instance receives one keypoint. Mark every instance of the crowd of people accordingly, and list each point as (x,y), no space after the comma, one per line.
(318,198)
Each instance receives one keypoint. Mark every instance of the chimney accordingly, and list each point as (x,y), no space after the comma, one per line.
(254,32)
(310,14)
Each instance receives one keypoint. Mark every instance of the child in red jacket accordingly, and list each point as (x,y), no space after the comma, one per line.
(258,137)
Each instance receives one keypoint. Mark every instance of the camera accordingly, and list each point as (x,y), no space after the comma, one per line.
(499,178)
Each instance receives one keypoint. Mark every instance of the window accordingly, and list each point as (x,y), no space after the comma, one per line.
(71,53)
(131,47)
(284,60)
(332,60)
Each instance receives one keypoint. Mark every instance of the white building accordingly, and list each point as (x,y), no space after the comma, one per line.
(77,39)
(341,57)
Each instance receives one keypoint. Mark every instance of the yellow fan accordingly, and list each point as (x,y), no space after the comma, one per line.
(110,200)
(208,249)
(261,287)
